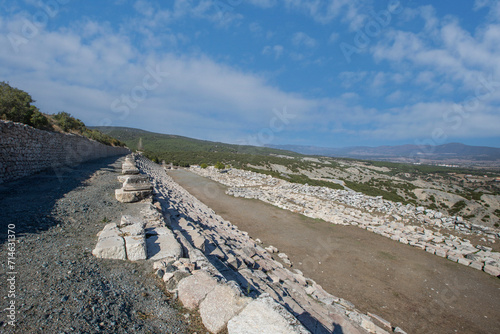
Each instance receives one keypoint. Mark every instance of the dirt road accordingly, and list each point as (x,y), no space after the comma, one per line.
(417,291)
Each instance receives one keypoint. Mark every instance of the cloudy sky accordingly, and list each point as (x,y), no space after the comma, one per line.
(306,72)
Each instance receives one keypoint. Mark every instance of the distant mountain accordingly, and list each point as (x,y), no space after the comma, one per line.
(445,152)
(159,143)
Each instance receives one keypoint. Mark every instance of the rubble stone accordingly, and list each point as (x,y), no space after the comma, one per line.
(220,305)
(110,248)
(193,289)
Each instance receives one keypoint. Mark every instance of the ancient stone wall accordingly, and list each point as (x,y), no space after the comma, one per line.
(25,150)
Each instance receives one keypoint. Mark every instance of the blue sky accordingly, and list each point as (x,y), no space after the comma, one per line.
(306,72)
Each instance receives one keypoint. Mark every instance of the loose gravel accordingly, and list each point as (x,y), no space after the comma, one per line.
(59,286)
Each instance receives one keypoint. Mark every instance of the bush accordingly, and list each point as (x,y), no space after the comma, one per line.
(457,207)
(67,123)
(15,105)
(203,165)
(39,121)
(220,165)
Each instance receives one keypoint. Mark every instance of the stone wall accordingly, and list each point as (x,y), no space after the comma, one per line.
(25,150)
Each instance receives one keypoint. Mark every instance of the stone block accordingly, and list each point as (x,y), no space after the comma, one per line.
(476,265)
(441,252)
(265,316)
(134,229)
(109,233)
(492,270)
(130,171)
(384,323)
(109,226)
(130,220)
(159,230)
(193,289)
(110,248)
(220,305)
(131,196)
(173,279)
(135,247)
(465,262)
(136,184)
(370,326)
(163,246)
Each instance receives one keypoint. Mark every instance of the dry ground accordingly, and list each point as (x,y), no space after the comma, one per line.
(417,291)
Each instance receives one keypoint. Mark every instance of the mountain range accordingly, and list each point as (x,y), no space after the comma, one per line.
(452,152)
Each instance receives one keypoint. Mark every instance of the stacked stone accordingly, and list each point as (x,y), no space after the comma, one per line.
(138,237)
(350,208)
(198,284)
(135,186)
(25,150)
(230,267)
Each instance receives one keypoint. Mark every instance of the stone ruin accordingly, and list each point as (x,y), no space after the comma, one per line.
(399,222)
(209,265)
(135,186)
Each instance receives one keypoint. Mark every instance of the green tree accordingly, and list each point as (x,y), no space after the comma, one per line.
(16,105)
(220,165)
(66,122)
(203,165)
(38,120)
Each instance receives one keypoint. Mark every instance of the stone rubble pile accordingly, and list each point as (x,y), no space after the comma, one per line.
(135,186)
(235,282)
(416,226)
(188,273)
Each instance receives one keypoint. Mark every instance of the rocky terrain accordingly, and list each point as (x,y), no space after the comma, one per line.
(471,193)
(222,252)
(426,229)
(93,257)
(59,286)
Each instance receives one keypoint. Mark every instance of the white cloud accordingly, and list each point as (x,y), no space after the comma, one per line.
(144,7)
(276,50)
(493,5)
(333,37)
(85,76)
(85,68)
(301,39)
(262,3)
(327,11)
(454,53)
(394,97)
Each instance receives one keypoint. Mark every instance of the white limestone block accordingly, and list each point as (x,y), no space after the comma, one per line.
(136,247)
(110,248)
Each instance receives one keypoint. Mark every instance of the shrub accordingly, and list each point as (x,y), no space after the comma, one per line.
(457,207)
(16,105)
(203,165)
(67,123)
(220,165)
(38,120)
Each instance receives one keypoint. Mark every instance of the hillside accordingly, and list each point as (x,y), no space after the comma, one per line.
(158,142)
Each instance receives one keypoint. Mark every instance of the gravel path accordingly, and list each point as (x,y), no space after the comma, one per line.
(59,286)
